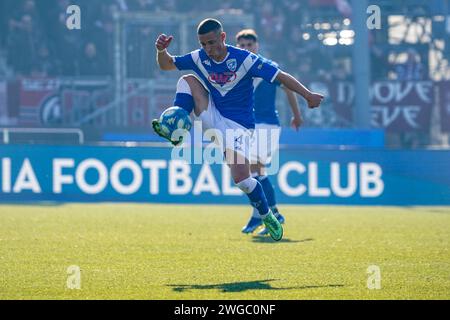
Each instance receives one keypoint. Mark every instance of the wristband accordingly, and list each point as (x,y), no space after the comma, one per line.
(161,51)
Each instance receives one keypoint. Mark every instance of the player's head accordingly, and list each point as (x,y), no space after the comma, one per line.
(212,38)
(248,39)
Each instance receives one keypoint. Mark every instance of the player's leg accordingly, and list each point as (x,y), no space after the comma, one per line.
(269,136)
(255,220)
(263,145)
(189,85)
(190,88)
(259,172)
(192,97)
(240,171)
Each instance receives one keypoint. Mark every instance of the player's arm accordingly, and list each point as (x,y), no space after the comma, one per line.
(297,119)
(163,58)
(313,99)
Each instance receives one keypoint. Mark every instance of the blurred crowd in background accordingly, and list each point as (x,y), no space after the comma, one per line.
(36,42)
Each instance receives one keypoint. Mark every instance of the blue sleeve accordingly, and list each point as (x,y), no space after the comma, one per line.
(184,62)
(264,69)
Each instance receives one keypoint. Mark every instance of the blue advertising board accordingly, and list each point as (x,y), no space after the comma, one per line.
(153,175)
(365,138)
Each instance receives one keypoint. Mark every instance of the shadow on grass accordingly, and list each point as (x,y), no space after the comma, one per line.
(445,211)
(268,239)
(433,209)
(244,286)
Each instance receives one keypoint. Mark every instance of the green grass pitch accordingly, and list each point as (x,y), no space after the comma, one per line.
(157,252)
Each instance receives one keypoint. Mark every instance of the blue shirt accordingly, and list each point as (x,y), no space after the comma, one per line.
(230,82)
(265,97)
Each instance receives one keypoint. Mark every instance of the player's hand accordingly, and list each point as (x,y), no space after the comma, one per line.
(163,42)
(314,100)
(296,122)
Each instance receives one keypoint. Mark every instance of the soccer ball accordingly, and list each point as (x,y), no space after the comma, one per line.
(174,118)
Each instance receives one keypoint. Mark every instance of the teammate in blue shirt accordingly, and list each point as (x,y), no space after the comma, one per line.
(267,119)
(221,96)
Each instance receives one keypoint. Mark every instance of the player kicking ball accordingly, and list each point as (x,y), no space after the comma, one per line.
(267,119)
(221,96)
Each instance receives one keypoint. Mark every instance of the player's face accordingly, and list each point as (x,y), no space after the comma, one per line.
(248,44)
(214,44)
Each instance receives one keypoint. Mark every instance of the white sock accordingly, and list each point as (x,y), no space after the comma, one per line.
(248,185)
(263,216)
(255,213)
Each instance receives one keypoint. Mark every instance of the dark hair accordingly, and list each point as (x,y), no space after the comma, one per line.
(209,25)
(248,34)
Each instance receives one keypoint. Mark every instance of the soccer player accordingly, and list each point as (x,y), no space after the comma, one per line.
(227,73)
(267,119)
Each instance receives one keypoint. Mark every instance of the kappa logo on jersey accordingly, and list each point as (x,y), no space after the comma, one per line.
(207,62)
(222,78)
(232,64)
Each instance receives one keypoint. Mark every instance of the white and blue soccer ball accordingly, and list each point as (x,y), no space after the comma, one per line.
(174,118)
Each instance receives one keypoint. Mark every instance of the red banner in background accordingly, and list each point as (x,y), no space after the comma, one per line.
(78,101)
(50,102)
(444,102)
(35,93)
(396,106)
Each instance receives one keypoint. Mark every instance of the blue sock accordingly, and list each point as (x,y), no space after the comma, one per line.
(185,101)
(268,190)
(258,199)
